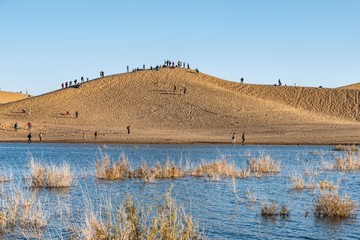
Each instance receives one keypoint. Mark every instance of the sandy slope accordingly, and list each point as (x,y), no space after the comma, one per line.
(210,111)
(6,97)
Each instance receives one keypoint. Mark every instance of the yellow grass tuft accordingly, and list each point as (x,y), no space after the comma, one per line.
(349,162)
(330,204)
(106,170)
(131,222)
(50,176)
(264,165)
(219,168)
(271,210)
(298,183)
(325,185)
(20,210)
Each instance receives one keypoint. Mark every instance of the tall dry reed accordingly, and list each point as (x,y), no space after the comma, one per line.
(330,204)
(129,221)
(50,176)
(263,165)
(20,210)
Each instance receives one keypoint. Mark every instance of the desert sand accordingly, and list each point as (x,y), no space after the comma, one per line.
(208,111)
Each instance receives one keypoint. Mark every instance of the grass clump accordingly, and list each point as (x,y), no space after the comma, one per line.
(271,210)
(347,148)
(263,165)
(325,185)
(350,162)
(20,210)
(298,183)
(330,204)
(50,176)
(219,168)
(112,171)
(129,221)
(167,170)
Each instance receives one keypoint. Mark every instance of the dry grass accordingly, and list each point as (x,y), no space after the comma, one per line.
(131,222)
(219,168)
(5,176)
(325,185)
(106,170)
(347,148)
(330,204)
(271,210)
(167,170)
(50,176)
(264,165)
(350,162)
(21,210)
(298,183)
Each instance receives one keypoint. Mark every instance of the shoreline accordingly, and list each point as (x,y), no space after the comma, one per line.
(179,143)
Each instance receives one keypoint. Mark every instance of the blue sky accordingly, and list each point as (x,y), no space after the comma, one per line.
(308,42)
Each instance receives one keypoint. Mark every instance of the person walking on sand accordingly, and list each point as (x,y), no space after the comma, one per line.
(233,138)
(128,129)
(76,114)
(243,138)
(40,136)
(29,125)
(16,126)
(29,137)
(95,135)
(84,136)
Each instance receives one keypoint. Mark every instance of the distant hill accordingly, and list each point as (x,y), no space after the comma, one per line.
(180,105)
(6,97)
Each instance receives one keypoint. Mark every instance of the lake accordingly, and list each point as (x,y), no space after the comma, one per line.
(211,202)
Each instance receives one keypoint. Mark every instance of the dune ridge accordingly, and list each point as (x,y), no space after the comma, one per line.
(182,106)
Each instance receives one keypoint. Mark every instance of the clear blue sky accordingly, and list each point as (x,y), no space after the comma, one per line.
(308,42)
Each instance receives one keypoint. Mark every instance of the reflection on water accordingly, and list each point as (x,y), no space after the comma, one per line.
(211,203)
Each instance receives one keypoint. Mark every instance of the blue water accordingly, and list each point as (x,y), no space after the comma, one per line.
(212,204)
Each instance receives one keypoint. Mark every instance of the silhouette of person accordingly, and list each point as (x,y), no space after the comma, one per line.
(76,114)
(233,138)
(243,137)
(16,126)
(95,135)
(29,137)
(40,136)
(128,129)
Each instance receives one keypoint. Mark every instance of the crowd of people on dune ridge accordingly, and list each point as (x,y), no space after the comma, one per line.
(78,84)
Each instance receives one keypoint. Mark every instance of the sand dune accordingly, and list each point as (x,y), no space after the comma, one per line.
(209,111)
(6,97)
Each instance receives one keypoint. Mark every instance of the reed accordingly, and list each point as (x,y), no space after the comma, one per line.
(112,171)
(132,222)
(21,211)
(298,183)
(263,165)
(167,170)
(50,176)
(271,210)
(219,168)
(330,204)
(325,185)
(348,148)
(6,176)
(350,162)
